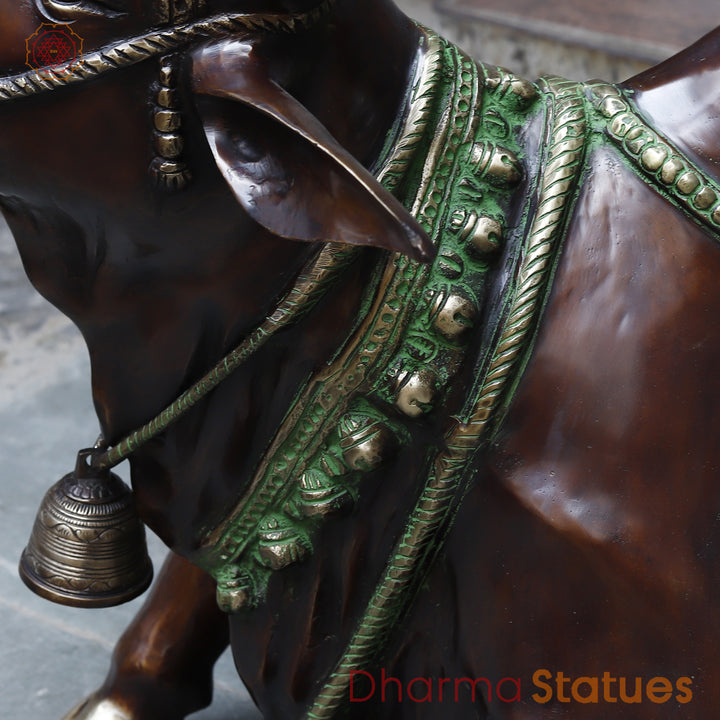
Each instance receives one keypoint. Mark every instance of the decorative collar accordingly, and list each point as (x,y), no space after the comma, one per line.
(454,162)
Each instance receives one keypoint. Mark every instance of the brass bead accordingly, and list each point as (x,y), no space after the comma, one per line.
(621,124)
(167,98)
(705,199)
(365,443)
(167,120)
(687,183)
(652,158)
(169,145)
(280,545)
(486,235)
(500,165)
(612,105)
(483,233)
(319,498)
(234,595)
(504,167)
(167,74)
(636,139)
(280,555)
(716,215)
(416,392)
(523,89)
(455,316)
(671,169)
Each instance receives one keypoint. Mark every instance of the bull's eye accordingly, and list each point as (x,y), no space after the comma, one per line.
(61,11)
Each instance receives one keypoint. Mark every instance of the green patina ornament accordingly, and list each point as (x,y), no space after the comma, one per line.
(455,159)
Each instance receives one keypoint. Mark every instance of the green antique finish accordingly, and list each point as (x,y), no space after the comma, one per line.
(655,159)
(450,469)
(456,159)
(456,164)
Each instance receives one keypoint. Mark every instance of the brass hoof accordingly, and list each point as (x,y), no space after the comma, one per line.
(95,708)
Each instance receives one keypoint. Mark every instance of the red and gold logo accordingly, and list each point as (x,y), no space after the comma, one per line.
(54,48)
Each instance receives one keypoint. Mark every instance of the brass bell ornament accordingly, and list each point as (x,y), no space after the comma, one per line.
(87,547)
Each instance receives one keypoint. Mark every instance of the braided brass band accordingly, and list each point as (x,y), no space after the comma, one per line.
(427,524)
(154,44)
(565,143)
(658,161)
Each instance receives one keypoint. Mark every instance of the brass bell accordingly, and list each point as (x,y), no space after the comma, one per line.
(87,547)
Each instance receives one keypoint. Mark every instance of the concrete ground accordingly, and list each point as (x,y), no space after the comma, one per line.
(51,656)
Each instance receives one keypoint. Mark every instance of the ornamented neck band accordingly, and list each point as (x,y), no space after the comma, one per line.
(157,43)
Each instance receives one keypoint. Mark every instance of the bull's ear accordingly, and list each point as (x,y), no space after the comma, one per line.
(282,164)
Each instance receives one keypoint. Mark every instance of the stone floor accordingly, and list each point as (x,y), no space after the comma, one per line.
(51,656)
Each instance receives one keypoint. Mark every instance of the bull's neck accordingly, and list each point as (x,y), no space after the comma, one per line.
(359,73)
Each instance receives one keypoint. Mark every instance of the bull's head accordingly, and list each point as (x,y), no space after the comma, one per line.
(157,185)
(96,136)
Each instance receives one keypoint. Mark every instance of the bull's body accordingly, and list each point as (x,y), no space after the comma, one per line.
(581,535)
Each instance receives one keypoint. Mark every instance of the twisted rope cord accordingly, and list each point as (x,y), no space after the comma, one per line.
(153,44)
(565,152)
(309,288)
(414,550)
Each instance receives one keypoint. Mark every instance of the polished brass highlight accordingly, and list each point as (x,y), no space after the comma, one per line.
(503,81)
(654,157)
(169,145)
(454,316)
(416,392)
(168,169)
(365,442)
(661,163)
(485,234)
(687,182)
(318,498)
(280,545)
(498,165)
(670,170)
(705,199)
(636,139)
(87,547)
(235,594)
(167,120)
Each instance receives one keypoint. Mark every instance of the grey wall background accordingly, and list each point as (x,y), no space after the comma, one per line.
(528,51)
